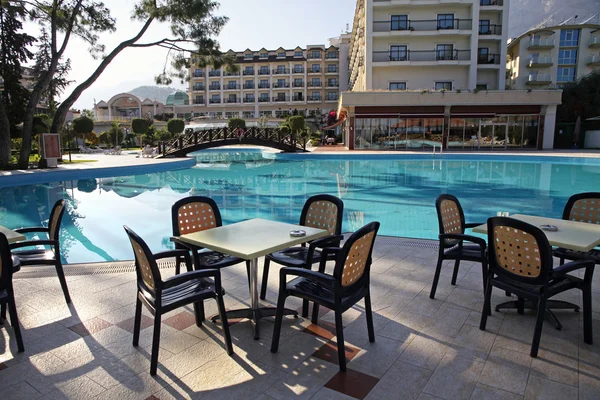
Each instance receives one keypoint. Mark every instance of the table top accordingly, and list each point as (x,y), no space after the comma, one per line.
(253,238)
(572,235)
(11,235)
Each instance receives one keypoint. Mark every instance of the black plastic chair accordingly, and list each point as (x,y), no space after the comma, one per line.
(582,207)
(8,265)
(520,260)
(161,297)
(452,236)
(349,284)
(45,256)
(322,211)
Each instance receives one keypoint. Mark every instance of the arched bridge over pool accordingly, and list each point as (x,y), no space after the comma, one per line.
(200,140)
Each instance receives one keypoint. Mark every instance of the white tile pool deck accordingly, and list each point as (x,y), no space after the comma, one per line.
(424,349)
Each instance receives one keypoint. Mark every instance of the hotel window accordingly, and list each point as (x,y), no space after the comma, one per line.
(332,54)
(298,82)
(247,114)
(567,56)
(264,55)
(264,97)
(481,86)
(231,114)
(199,100)
(569,38)
(264,70)
(315,54)
(281,69)
(332,68)
(565,74)
(397,85)
(232,98)
(444,52)
(264,83)
(281,83)
(332,82)
(315,68)
(281,54)
(250,98)
(316,95)
(315,82)
(249,85)
(232,85)
(298,53)
(483,55)
(281,96)
(249,71)
(445,21)
(398,53)
(198,73)
(332,96)
(298,69)
(298,96)
(399,22)
(215,98)
(443,86)
(485,27)
(266,113)
(248,56)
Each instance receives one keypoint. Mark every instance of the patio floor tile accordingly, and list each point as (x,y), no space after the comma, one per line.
(91,326)
(352,383)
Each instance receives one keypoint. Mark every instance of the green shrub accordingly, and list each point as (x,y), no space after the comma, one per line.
(176,126)
(83,125)
(236,123)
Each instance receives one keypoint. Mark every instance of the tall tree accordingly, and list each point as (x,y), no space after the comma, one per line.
(13,52)
(192,24)
(59,81)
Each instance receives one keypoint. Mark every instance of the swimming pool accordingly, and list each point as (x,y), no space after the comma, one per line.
(397,190)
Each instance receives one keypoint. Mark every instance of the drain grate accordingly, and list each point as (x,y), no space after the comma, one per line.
(128,266)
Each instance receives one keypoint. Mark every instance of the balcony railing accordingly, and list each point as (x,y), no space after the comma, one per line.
(332,99)
(594,59)
(332,56)
(214,101)
(539,78)
(315,84)
(214,73)
(263,72)
(541,42)
(199,101)
(315,57)
(298,70)
(491,3)
(314,71)
(488,59)
(214,87)
(263,99)
(422,55)
(280,99)
(198,74)
(298,84)
(422,25)
(249,100)
(247,86)
(332,71)
(297,98)
(594,41)
(246,73)
(314,98)
(539,61)
(492,29)
(332,85)
(232,101)
(198,87)
(281,85)
(263,85)
(231,73)
(281,71)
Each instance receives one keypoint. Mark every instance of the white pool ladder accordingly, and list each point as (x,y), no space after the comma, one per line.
(435,146)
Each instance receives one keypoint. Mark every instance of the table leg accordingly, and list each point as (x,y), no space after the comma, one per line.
(530,305)
(254,296)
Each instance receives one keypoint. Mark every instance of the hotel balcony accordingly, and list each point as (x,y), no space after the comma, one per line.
(315,71)
(329,57)
(214,101)
(490,30)
(249,100)
(249,73)
(214,87)
(315,58)
(422,56)
(540,62)
(248,87)
(423,25)
(280,85)
(263,86)
(332,71)
(198,88)
(298,84)
(488,59)
(231,73)
(281,99)
(331,100)
(315,84)
(593,60)
(232,87)
(298,71)
(332,85)
(491,3)
(263,72)
(263,99)
(595,41)
(298,98)
(540,43)
(236,100)
(281,71)
(198,74)
(214,73)
(315,99)
(199,102)
(539,79)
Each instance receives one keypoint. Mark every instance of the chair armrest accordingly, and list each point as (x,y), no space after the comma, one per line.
(328,241)
(32,229)
(306,273)
(324,254)
(473,225)
(572,266)
(186,276)
(30,243)
(467,238)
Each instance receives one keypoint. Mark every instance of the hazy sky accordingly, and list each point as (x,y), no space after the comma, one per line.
(252,24)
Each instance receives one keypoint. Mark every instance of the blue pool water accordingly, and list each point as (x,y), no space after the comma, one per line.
(397,190)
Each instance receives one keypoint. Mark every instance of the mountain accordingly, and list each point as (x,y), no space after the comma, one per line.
(526,14)
(158,93)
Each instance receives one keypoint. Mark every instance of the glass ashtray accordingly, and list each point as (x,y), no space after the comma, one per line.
(297,233)
(549,228)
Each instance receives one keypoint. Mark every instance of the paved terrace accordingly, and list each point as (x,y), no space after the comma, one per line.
(424,349)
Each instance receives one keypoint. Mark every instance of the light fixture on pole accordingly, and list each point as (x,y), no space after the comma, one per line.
(69,138)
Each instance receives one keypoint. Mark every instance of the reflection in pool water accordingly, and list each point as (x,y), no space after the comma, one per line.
(399,193)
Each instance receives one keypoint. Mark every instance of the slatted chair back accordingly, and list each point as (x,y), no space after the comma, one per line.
(519,251)
(323,211)
(583,207)
(55,220)
(148,274)
(353,263)
(195,214)
(451,218)
(6,266)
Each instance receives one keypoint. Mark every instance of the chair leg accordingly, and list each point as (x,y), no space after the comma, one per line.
(155,344)
(14,321)
(199,313)
(137,321)
(487,304)
(315,312)
(223,316)
(305,309)
(484,273)
(436,277)
(339,332)
(537,333)
(588,337)
(278,322)
(265,279)
(61,277)
(561,261)
(369,312)
(2,312)
(177,265)
(520,305)
(455,272)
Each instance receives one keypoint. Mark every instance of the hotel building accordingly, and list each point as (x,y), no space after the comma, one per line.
(549,56)
(432,73)
(270,83)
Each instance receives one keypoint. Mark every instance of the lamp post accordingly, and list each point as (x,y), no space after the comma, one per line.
(69,138)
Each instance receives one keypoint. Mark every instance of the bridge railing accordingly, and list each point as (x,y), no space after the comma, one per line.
(195,138)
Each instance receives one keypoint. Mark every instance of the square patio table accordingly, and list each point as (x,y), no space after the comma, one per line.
(572,235)
(250,240)
(11,235)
